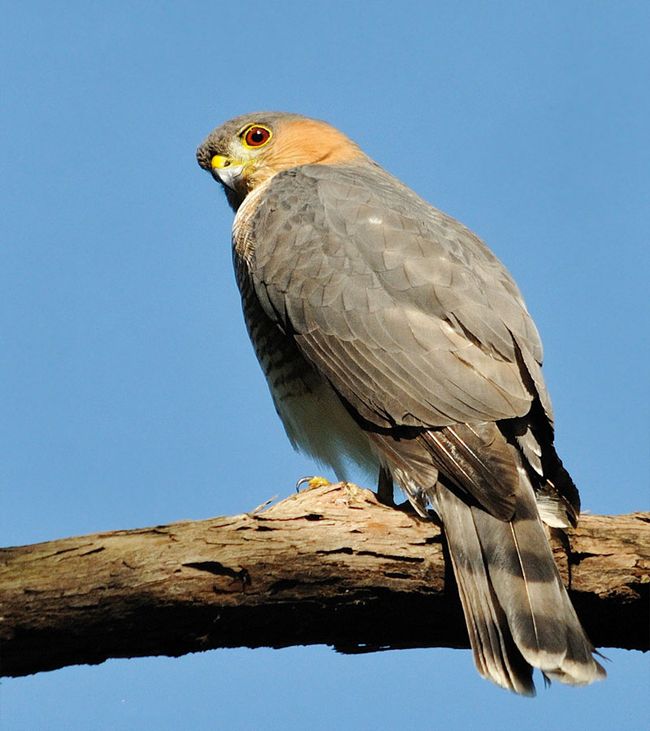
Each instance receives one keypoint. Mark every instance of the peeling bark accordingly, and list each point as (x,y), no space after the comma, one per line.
(328,566)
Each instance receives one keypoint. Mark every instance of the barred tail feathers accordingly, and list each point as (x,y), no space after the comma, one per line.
(517,611)
(495,653)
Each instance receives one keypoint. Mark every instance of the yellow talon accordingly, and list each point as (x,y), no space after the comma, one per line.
(312,482)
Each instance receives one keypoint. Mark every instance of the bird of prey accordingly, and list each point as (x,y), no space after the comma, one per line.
(392,337)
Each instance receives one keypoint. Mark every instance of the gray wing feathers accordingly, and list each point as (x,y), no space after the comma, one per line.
(479,461)
(381,278)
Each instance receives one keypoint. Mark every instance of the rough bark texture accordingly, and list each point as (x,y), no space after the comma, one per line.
(330,565)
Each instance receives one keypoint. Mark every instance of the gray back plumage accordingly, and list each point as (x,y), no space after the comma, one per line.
(422,335)
(401,289)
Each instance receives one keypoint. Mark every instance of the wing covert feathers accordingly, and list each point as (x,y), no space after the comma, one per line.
(401,308)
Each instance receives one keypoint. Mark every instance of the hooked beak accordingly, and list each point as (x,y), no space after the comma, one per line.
(226,171)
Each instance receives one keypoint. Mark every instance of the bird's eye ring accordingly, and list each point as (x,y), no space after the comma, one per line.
(255,136)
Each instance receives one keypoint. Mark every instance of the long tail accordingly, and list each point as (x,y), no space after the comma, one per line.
(517,611)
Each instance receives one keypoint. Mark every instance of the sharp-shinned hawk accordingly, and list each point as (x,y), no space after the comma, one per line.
(392,337)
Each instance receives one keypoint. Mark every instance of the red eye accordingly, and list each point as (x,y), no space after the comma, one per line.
(256,136)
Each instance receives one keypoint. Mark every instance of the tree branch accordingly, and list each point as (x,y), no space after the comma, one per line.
(328,566)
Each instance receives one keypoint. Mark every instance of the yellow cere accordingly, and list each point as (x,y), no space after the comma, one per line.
(219,161)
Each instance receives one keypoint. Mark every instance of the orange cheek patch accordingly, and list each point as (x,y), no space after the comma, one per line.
(309,142)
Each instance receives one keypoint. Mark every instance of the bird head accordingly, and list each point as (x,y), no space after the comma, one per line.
(247,151)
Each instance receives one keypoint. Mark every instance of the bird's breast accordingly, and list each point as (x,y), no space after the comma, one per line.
(315,420)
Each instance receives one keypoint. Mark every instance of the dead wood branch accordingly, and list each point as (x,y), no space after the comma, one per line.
(328,566)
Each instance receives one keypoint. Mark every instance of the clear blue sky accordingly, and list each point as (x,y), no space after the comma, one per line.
(130,391)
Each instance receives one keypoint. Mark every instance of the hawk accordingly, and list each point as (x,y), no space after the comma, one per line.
(392,337)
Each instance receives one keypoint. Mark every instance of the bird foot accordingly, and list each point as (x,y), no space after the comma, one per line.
(312,481)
